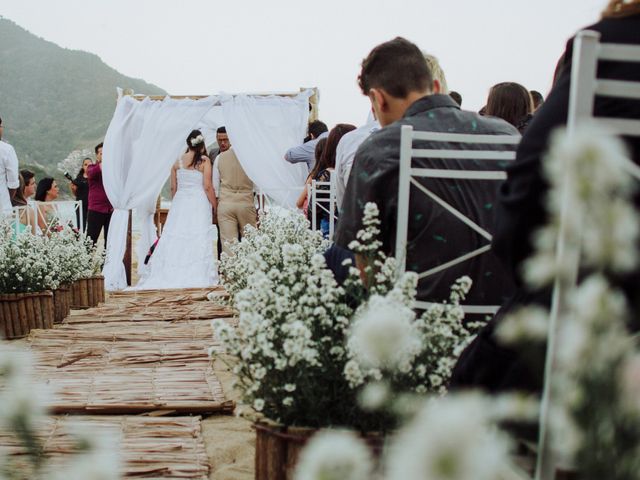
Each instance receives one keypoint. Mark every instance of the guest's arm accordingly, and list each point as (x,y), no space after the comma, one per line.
(303,195)
(301,153)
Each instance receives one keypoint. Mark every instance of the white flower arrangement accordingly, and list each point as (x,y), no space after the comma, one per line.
(335,455)
(291,342)
(31,263)
(74,161)
(388,343)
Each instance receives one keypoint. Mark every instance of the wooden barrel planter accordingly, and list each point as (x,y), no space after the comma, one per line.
(87,292)
(61,303)
(22,312)
(278,449)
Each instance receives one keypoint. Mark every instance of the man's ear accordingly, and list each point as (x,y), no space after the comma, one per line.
(437,88)
(378,99)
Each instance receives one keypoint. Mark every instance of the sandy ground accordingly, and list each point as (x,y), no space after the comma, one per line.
(230,441)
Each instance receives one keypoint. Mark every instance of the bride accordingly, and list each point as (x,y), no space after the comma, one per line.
(184,256)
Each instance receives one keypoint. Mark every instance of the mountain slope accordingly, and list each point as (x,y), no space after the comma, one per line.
(54,100)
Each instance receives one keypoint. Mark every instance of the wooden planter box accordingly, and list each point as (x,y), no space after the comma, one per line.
(22,312)
(87,292)
(278,449)
(61,303)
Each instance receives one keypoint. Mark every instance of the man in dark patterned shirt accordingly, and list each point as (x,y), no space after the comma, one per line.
(399,84)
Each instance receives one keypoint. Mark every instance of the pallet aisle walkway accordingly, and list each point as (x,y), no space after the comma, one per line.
(150,447)
(140,353)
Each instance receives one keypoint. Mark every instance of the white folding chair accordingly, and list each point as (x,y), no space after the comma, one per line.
(25,216)
(323,196)
(67,212)
(265,197)
(585,86)
(409,174)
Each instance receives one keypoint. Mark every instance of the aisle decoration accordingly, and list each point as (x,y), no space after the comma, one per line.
(290,351)
(23,411)
(36,276)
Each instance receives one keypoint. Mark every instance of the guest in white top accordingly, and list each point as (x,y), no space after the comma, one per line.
(345,153)
(9,177)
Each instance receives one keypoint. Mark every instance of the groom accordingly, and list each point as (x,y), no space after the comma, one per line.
(234,189)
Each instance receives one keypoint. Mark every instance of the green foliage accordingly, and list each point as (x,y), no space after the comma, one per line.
(55,100)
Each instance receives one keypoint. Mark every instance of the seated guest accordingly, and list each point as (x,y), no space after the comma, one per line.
(521,209)
(511,102)
(399,84)
(322,173)
(306,152)
(303,200)
(25,216)
(47,191)
(346,152)
(29,183)
(537,99)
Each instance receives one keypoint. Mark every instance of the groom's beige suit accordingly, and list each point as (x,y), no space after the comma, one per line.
(236,207)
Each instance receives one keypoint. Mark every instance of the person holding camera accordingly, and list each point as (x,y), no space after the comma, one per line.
(80,188)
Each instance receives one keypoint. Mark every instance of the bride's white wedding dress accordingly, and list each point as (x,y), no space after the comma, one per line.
(184,255)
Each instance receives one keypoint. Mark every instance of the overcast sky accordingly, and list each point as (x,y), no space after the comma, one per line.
(235,46)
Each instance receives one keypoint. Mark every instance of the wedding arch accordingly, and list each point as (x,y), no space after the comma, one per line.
(147,134)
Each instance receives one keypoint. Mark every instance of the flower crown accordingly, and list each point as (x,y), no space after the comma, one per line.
(197,140)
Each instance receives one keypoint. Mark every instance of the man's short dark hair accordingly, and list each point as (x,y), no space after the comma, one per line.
(456,97)
(98,147)
(317,128)
(537,98)
(222,129)
(398,67)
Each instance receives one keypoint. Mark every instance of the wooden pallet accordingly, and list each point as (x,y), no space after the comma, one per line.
(150,447)
(121,312)
(129,368)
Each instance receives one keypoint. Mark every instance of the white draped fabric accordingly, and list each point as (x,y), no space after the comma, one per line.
(143,140)
(261,130)
(146,137)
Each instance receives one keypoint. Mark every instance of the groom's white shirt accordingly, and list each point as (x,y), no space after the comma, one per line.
(215,176)
(9,178)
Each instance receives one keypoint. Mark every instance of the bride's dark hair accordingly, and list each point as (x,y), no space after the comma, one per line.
(199,148)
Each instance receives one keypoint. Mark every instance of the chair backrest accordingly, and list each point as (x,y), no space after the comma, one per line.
(585,86)
(409,174)
(67,212)
(322,195)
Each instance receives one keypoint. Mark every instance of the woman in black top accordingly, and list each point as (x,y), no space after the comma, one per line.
(80,189)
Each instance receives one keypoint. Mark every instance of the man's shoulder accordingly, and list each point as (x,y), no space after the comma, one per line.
(6,147)
(452,120)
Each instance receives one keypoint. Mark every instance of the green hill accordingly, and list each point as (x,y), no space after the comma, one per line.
(54,100)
